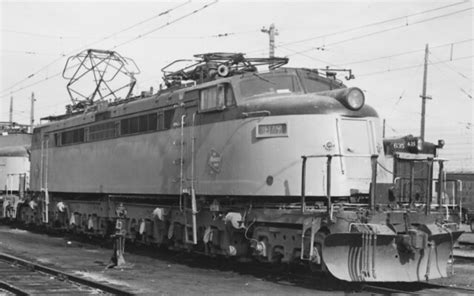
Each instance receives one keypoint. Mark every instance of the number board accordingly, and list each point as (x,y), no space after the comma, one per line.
(272,130)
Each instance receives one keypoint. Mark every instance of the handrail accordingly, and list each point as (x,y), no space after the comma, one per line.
(181,162)
(329,157)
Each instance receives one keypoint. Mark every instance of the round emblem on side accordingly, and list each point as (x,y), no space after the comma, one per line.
(214,161)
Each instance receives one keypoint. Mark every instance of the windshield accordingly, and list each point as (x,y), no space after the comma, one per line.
(315,85)
(261,84)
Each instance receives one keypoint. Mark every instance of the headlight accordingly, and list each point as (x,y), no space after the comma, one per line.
(355,98)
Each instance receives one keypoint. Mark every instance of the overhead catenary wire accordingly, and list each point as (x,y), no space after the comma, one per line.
(123,43)
(377,23)
(308,56)
(455,83)
(216,35)
(166,24)
(37,82)
(385,30)
(451,68)
(395,106)
(95,42)
(34,34)
(410,67)
(30,52)
(405,52)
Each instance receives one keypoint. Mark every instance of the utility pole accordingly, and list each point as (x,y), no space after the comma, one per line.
(11,110)
(272,32)
(423,95)
(32,112)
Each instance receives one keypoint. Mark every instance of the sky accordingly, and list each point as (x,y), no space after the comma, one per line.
(383,42)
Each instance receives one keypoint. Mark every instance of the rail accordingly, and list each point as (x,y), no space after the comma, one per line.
(329,157)
(59,274)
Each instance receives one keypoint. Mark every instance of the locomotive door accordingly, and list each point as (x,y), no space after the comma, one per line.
(357,143)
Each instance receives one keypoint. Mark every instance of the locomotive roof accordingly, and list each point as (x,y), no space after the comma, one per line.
(14,151)
(171,98)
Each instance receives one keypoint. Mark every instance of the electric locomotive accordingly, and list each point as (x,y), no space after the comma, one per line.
(281,166)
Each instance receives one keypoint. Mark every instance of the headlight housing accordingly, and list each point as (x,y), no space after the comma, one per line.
(355,98)
(352,98)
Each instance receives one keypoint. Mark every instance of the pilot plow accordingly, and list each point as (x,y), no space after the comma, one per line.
(370,257)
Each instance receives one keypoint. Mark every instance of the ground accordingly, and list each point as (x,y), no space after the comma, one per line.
(145,275)
(162,275)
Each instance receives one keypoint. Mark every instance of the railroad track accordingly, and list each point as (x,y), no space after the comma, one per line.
(300,277)
(415,289)
(22,277)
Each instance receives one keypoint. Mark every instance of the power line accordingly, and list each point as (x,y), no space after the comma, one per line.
(128,41)
(167,24)
(404,53)
(454,70)
(32,84)
(308,56)
(92,43)
(409,67)
(387,29)
(146,20)
(457,85)
(26,52)
(34,34)
(404,90)
(372,24)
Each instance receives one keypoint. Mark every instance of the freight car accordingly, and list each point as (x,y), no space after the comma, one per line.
(461,189)
(281,166)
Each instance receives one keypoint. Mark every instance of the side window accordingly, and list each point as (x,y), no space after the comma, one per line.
(124,126)
(138,124)
(213,98)
(57,139)
(133,125)
(191,95)
(161,121)
(229,96)
(168,118)
(152,122)
(72,137)
(101,131)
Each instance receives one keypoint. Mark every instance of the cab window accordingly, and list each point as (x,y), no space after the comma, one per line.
(269,84)
(216,98)
(314,83)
